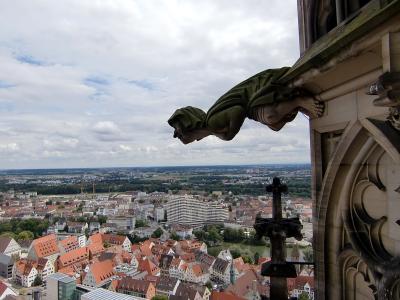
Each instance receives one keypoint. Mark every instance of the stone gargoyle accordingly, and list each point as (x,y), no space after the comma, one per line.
(261,98)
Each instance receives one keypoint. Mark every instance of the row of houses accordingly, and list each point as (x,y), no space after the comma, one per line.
(153,267)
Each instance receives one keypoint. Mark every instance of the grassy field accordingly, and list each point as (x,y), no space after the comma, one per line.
(248,250)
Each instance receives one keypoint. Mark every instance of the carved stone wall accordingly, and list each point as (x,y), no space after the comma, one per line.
(356,168)
(361,233)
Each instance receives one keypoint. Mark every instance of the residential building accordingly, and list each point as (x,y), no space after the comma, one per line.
(159,214)
(301,284)
(220,271)
(216,295)
(99,274)
(45,247)
(94,226)
(45,267)
(249,285)
(167,285)
(183,231)
(119,240)
(111,239)
(187,210)
(135,287)
(24,272)
(78,256)
(77,227)
(122,223)
(189,292)
(68,244)
(196,273)
(61,224)
(5,291)
(146,265)
(165,262)
(177,268)
(9,246)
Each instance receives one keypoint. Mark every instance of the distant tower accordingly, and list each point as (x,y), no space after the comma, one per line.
(94,188)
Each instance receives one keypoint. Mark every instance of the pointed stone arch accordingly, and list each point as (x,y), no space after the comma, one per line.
(357,236)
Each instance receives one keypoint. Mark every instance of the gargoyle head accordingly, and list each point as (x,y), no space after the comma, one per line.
(188,123)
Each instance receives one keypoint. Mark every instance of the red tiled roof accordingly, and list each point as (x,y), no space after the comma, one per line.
(102,270)
(133,285)
(197,270)
(148,266)
(3,288)
(25,266)
(215,295)
(73,257)
(96,238)
(114,239)
(45,246)
(95,248)
(70,243)
(244,284)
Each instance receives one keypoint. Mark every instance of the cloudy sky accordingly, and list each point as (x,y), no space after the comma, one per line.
(92,83)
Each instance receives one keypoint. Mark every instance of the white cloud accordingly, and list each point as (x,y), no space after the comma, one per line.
(9,148)
(106,127)
(81,80)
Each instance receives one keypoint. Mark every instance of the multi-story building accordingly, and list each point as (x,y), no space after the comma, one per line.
(187,210)
(60,287)
(6,265)
(99,274)
(135,287)
(122,222)
(24,272)
(220,271)
(44,247)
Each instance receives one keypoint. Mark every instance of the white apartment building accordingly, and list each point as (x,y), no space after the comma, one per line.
(187,210)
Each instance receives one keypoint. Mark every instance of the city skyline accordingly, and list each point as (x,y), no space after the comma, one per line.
(92,84)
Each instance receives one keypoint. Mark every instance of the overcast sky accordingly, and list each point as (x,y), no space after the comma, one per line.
(93,83)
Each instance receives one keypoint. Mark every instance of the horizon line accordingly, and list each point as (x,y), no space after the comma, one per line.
(160,166)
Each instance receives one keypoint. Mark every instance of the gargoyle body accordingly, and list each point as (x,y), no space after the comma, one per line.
(260,97)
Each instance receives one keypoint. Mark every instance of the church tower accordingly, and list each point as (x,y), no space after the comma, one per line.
(350,60)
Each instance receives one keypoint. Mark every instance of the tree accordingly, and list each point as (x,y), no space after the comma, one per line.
(174,236)
(25,235)
(235,253)
(214,236)
(256,257)
(140,223)
(304,296)
(102,219)
(9,234)
(157,233)
(200,235)
(209,285)
(247,259)
(38,281)
(159,297)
